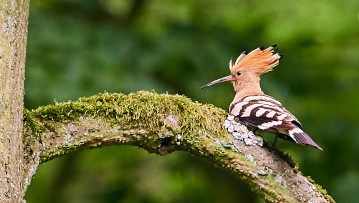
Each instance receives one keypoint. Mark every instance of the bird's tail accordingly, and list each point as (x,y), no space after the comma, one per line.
(303,138)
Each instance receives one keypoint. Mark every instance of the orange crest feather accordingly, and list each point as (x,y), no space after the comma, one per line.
(258,61)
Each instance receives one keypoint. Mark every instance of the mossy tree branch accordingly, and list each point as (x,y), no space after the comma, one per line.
(162,124)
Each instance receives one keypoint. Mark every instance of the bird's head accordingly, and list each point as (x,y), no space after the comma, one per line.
(249,66)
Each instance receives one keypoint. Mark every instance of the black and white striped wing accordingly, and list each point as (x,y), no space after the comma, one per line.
(265,113)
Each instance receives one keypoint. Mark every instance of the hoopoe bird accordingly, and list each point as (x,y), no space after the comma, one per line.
(251,107)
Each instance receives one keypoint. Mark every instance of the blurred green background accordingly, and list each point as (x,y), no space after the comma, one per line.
(82,47)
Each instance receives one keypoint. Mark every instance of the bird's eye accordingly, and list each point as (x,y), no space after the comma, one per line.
(238,73)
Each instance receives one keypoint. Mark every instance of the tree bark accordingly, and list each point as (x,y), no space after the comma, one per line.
(162,124)
(13,33)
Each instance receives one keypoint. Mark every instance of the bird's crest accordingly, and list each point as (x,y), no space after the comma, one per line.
(257,61)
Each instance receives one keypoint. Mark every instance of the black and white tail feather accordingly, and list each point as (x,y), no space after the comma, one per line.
(265,113)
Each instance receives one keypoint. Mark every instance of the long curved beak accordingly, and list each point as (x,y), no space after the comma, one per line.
(224,79)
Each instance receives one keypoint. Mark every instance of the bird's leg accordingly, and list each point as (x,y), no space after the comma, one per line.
(275,139)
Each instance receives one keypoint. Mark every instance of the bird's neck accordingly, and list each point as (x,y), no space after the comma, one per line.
(247,88)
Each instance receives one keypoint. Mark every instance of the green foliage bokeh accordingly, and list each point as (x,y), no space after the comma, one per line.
(82,47)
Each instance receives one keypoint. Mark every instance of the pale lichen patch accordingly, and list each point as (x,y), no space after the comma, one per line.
(265,170)
(281,180)
(250,158)
(241,132)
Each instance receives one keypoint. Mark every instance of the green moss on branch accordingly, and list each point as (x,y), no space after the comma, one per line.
(141,108)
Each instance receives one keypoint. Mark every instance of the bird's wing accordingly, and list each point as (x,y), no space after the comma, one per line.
(266,113)
(266,116)
(263,112)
